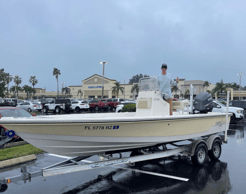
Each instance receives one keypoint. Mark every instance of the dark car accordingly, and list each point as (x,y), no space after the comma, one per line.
(11,112)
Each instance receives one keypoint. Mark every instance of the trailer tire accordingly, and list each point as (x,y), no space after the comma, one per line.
(200,155)
(3,187)
(215,151)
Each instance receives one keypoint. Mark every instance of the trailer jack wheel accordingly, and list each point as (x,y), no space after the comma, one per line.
(3,187)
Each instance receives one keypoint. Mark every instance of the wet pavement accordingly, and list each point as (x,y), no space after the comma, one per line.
(224,176)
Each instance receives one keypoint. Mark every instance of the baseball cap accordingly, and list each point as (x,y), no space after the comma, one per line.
(164,65)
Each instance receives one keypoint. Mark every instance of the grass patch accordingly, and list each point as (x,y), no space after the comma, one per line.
(18,151)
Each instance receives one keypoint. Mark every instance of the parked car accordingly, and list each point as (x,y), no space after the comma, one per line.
(237,113)
(238,103)
(122,104)
(11,112)
(112,103)
(10,102)
(98,105)
(80,106)
(57,105)
(29,106)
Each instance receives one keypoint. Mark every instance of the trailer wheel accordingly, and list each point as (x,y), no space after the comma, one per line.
(3,187)
(200,154)
(215,151)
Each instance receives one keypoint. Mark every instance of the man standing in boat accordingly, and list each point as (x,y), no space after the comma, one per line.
(165,81)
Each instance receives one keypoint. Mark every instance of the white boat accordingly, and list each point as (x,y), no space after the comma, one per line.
(95,134)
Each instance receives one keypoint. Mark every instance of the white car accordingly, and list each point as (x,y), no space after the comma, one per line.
(29,106)
(80,105)
(122,104)
(237,113)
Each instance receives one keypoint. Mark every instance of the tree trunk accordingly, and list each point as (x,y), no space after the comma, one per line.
(57,87)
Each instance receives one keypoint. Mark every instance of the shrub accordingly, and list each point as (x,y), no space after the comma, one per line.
(129,108)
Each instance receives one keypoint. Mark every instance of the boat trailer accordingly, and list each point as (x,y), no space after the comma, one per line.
(77,164)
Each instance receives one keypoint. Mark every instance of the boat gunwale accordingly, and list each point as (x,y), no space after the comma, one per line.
(107,120)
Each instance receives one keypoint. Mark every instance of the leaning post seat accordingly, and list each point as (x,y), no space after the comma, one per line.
(180,105)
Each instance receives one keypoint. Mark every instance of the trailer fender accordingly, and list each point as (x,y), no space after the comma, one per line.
(194,144)
(211,139)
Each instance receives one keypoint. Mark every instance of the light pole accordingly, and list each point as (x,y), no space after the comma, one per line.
(103,63)
(62,85)
(240,74)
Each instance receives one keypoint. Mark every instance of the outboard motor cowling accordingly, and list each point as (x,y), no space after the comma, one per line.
(203,102)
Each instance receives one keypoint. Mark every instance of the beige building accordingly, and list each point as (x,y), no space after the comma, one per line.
(185,85)
(92,88)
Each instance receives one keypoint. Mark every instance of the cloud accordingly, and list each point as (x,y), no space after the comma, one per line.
(200,40)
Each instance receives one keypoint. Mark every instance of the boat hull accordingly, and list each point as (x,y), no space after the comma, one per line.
(92,138)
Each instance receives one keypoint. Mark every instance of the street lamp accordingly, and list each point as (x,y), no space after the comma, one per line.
(62,85)
(103,63)
(240,74)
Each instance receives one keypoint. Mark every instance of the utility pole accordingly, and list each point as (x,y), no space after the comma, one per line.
(103,63)
(240,74)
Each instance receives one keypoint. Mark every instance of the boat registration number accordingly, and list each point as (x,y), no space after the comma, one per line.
(102,127)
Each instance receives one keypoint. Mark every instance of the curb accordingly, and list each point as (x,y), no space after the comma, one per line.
(15,161)
(13,144)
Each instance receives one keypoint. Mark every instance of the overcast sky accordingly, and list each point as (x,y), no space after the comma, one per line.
(199,40)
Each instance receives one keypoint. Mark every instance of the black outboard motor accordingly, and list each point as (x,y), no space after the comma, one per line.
(203,102)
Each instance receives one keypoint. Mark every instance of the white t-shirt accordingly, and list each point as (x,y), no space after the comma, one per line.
(165,82)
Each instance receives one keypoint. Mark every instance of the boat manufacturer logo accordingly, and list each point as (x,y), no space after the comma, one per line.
(102,127)
(108,163)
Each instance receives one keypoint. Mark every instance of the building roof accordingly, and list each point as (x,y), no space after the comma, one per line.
(76,86)
(100,77)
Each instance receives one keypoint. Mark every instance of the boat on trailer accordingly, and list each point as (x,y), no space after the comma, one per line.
(95,134)
(146,134)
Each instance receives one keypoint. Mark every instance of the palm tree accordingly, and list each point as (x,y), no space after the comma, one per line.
(27,90)
(17,81)
(9,78)
(135,87)
(220,87)
(117,88)
(206,84)
(57,72)
(79,93)
(233,85)
(176,89)
(66,90)
(33,81)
